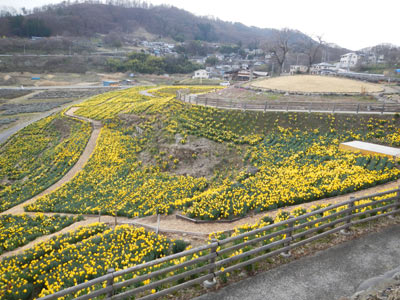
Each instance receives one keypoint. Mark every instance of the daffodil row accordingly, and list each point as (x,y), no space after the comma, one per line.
(18,230)
(115,182)
(76,257)
(39,155)
(283,215)
(295,158)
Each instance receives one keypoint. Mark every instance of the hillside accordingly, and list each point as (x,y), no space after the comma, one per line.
(86,19)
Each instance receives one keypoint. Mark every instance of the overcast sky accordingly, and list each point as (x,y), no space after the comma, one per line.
(353,24)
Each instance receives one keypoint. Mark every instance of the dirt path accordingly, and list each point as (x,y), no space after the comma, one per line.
(171,223)
(146,93)
(168,224)
(19,209)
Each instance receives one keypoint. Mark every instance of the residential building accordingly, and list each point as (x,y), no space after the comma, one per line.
(349,60)
(323,68)
(201,74)
(298,69)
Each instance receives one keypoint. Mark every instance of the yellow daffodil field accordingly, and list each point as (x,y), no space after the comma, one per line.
(38,156)
(78,256)
(296,157)
(299,211)
(145,163)
(18,230)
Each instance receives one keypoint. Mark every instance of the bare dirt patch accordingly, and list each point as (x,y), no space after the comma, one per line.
(317,84)
(238,94)
(197,157)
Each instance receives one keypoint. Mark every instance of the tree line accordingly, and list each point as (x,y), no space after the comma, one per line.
(148,64)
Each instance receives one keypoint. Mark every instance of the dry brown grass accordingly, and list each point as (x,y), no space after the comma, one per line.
(317,84)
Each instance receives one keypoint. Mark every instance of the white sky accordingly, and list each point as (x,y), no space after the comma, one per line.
(353,24)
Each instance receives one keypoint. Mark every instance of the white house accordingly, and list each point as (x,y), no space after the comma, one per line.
(201,74)
(298,69)
(323,68)
(349,60)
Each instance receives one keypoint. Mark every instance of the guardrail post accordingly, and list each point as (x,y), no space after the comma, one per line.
(358,108)
(265,106)
(309,108)
(383,108)
(110,282)
(231,103)
(206,102)
(397,207)
(216,103)
(288,235)
(211,283)
(347,230)
(99,214)
(333,109)
(287,107)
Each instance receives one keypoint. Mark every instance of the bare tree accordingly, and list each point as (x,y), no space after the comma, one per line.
(279,47)
(312,49)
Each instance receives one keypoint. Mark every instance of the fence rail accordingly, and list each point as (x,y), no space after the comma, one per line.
(297,106)
(202,265)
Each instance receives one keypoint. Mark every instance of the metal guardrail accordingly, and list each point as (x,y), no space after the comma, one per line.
(202,265)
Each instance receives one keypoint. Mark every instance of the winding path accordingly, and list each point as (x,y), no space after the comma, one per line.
(171,224)
(19,209)
(38,116)
(88,219)
(168,224)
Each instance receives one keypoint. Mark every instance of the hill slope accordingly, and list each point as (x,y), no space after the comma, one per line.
(86,19)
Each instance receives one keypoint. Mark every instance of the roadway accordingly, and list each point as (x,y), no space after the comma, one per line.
(326,275)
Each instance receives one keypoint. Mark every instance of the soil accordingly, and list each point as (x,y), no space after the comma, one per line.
(63,127)
(317,84)
(237,94)
(198,157)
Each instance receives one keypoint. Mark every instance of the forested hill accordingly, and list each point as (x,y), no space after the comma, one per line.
(87,19)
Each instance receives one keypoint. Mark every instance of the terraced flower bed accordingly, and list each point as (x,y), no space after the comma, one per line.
(295,158)
(18,230)
(113,181)
(78,256)
(39,155)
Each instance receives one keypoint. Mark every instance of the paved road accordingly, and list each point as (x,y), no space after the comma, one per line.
(327,275)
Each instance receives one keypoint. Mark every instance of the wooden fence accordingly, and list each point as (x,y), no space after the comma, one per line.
(202,265)
(294,106)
